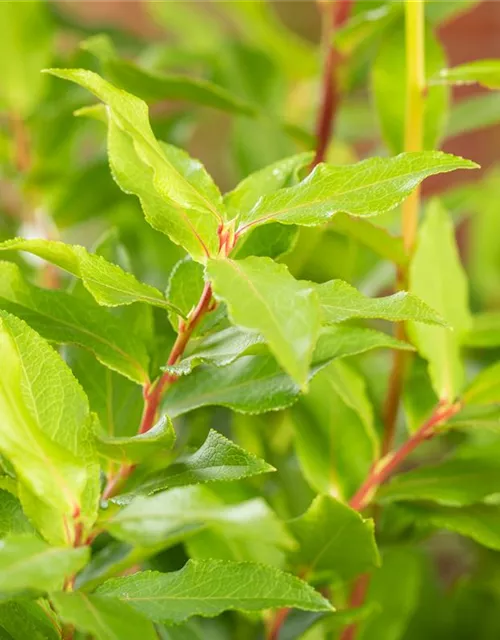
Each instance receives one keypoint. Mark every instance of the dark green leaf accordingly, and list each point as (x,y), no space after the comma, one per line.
(28,619)
(12,518)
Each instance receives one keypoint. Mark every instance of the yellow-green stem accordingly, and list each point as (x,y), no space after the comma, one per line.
(415,96)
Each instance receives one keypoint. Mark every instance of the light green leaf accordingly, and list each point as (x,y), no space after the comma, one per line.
(256,384)
(108,283)
(272,241)
(152,86)
(475,112)
(63,318)
(485,388)
(367,188)
(438,278)
(389,87)
(454,482)
(334,539)
(29,564)
(104,618)
(46,431)
(365,27)
(480,522)
(379,240)
(335,438)
(484,72)
(12,518)
(278,175)
(438,12)
(485,331)
(163,176)
(206,588)
(257,292)
(184,289)
(138,448)
(28,619)
(217,460)
(340,301)
(26,48)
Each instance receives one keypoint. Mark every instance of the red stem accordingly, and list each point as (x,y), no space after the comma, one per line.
(330,92)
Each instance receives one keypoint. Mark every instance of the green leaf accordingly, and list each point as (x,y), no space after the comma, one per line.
(481,522)
(438,278)
(340,301)
(476,112)
(66,319)
(365,27)
(184,289)
(438,12)
(138,448)
(206,588)
(12,518)
(485,388)
(28,619)
(29,564)
(454,482)
(255,384)
(178,196)
(46,431)
(152,86)
(217,460)
(26,48)
(484,72)
(367,188)
(393,599)
(104,618)
(256,291)
(334,539)
(272,241)
(389,87)
(108,284)
(278,175)
(485,331)
(379,240)
(335,438)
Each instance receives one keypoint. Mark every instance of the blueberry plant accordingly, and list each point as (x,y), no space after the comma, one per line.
(262,404)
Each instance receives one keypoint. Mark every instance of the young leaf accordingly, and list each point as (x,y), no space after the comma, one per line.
(184,288)
(104,618)
(389,88)
(256,384)
(485,331)
(367,188)
(26,35)
(484,72)
(334,539)
(29,564)
(110,285)
(256,291)
(152,86)
(137,448)
(485,388)
(190,212)
(340,301)
(335,438)
(12,518)
(455,482)
(438,278)
(45,426)
(206,588)
(217,460)
(481,522)
(63,318)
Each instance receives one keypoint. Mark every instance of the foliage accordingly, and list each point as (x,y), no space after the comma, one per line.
(219,380)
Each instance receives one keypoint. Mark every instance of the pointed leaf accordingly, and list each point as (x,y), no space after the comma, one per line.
(257,292)
(255,384)
(438,278)
(217,460)
(110,285)
(367,188)
(104,618)
(485,388)
(29,564)
(63,318)
(165,176)
(484,72)
(138,448)
(206,588)
(340,301)
(334,539)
